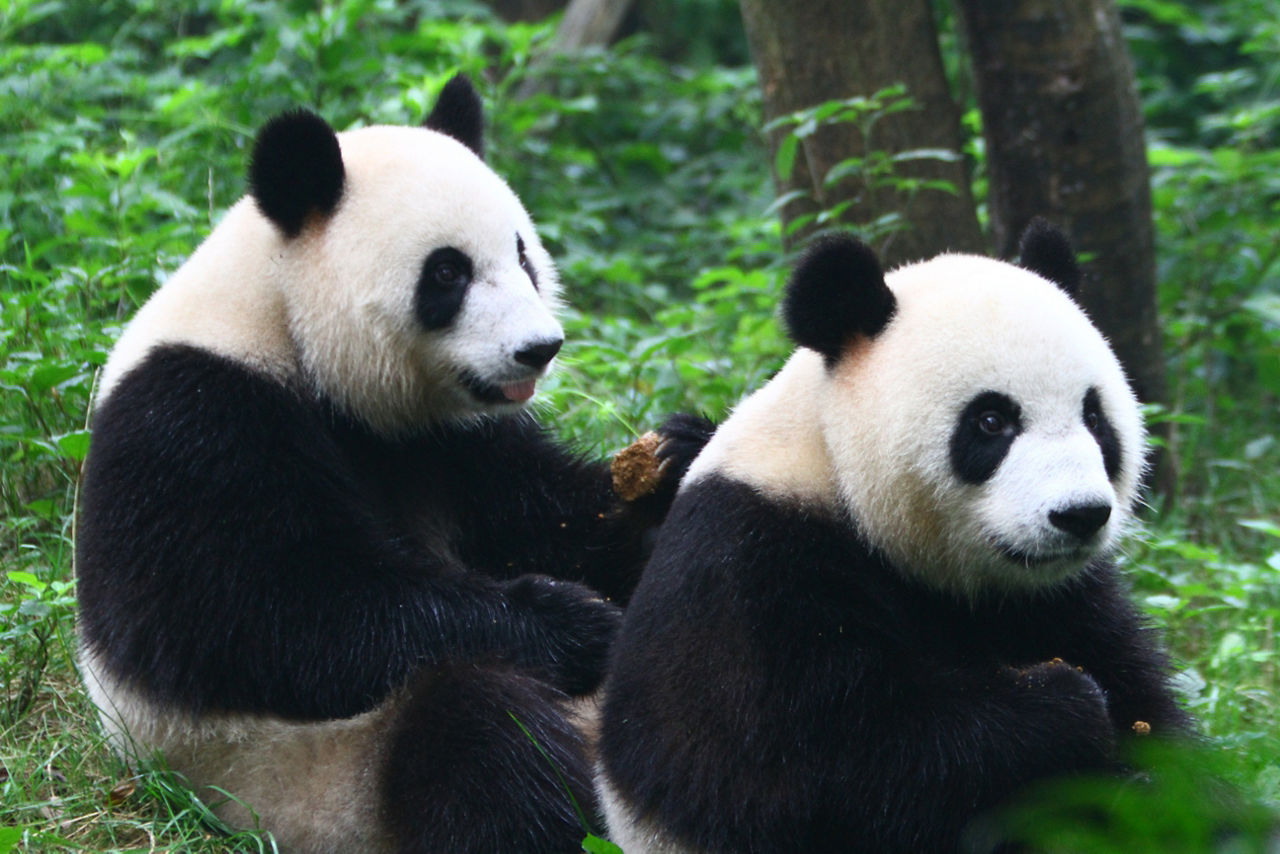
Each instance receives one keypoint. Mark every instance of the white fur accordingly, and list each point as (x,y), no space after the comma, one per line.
(628,831)
(350,290)
(773,441)
(334,305)
(872,435)
(315,785)
(219,300)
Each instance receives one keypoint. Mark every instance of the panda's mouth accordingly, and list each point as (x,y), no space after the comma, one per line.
(495,393)
(1044,557)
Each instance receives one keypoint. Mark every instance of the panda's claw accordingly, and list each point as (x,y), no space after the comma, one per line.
(682,437)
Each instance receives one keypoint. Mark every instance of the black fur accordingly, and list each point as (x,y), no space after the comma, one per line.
(776,687)
(296,170)
(459,113)
(243,548)
(1044,250)
(977,451)
(836,293)
(480,783)
(1095,417)
(525,263)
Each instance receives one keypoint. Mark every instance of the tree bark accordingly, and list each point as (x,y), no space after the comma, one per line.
(526,10)
(590,22)
(807,53)
(586,23)
(1064,133)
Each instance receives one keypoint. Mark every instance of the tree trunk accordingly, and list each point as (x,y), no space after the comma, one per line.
(1064,133)
(590,22)
(526,10)
(586,23)
(807,53)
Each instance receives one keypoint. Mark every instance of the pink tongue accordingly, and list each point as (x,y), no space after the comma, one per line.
(519,392)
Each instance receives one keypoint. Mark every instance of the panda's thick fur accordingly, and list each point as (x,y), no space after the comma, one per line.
(882,603)
(326,564)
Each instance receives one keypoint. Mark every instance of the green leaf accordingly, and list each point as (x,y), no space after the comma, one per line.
(11,836)
(943,154)
(74,445)
(45,508)
(785,160)
(46,377)
(1266,526)
(843,169)
(1164,602)
(27,579)
(596,845)
(784,200)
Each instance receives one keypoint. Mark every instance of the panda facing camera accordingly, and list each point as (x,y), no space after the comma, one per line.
(326,563)
(882,603)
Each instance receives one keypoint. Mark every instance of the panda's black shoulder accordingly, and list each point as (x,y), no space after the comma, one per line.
(727,548)
(184,402)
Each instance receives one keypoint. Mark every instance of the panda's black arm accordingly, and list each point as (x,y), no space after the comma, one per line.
(1092,623)
(537,507)
(228,559)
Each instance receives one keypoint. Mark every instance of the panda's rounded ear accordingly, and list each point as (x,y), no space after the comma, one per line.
(836,293)
(459,113)
(1044,250)
(296,170)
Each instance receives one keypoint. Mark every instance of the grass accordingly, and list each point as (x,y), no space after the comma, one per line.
(124,131)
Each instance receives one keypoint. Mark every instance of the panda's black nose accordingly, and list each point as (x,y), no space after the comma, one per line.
(1081,520)
(537,355)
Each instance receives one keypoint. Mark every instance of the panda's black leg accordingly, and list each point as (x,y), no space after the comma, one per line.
(463,775)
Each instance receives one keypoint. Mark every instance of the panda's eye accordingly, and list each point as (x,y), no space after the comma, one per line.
(448,268)
(447,274)
(1091,422)
(992,423)
(525,263)
(985,431)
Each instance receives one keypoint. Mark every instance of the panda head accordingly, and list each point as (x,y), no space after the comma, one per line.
(980,431)
(415,287)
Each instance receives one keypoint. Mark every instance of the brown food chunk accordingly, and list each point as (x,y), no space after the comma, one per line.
(637,469)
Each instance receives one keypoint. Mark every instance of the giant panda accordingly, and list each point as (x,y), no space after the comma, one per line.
(328,569)
(882,603)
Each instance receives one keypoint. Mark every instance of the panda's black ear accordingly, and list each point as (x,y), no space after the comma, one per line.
(1045,251)
(459,113)
(296,170)
(836,293)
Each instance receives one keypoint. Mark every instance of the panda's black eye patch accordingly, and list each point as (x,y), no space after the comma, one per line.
(1096,422)
(983,434)
(442,286)
(525,263)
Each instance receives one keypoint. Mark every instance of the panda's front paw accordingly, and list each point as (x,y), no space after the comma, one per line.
(574,629)
(651,468)
(1066,689)
(1057,677)
(682,438)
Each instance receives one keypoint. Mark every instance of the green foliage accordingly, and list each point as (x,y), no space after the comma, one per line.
(1210,73)
(30,628)
(125,125)
(874,170)
(1179,805)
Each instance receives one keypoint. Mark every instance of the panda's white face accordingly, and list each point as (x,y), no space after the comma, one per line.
(426,295)
(986,437)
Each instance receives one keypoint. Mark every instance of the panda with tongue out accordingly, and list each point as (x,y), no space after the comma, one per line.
(326,563)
